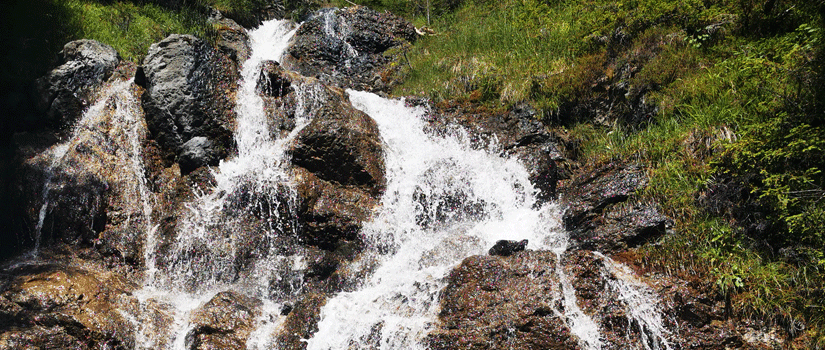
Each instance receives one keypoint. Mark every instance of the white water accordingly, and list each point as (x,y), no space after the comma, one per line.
(444,202)
(642,306)
(57,154)
(202,260)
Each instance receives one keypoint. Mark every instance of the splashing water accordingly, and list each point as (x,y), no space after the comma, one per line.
(205,258)
(444,201)
(642,307)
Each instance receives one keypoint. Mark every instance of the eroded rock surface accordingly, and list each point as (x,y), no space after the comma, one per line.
(350,47)
(224,322)
(494,302)
(66,91)
(86,190)
(189,90)
(602,213)
(54,306)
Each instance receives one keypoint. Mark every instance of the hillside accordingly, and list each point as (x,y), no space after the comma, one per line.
(720,103)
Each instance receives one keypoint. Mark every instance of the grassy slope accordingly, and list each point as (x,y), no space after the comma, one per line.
(735,150)
(735,86)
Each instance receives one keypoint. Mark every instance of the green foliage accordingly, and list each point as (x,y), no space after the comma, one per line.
(737,90)
(131,27)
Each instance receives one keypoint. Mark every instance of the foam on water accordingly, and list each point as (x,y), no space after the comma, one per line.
(444,201)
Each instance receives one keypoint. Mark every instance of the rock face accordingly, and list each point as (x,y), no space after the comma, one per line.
(600,216)
(224,322)
(338,157)
(502,303)
(71,193)
(516,133)
(60,307)
(232,39)
(350,47)
(84,65)
(188,95)
(507,248)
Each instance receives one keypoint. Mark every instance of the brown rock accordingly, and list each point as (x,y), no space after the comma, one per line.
(341,144)
(224,322)
(496,302)
(59,307)
(302,322)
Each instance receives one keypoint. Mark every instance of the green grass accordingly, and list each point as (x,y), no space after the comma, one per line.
(737,87)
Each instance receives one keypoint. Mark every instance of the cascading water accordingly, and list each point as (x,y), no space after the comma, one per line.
(204,259)
(642,305)
(444,202)
(116,109)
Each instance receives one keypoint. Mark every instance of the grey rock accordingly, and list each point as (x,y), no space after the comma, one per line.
(183,98)
(66,91)
(196,152)
(346,47)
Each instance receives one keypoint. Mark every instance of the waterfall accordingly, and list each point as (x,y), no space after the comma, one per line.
(205,257)
(444,201)
(116,118)
(642,307)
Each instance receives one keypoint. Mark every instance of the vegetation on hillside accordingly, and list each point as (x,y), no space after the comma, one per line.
(721,100)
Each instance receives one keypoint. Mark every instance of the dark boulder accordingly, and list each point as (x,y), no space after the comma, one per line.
(188,94)
(232,39)
(502,303)
(195,153)
(507,247)
(342,145)
(340,170)
(602,213)
(69,89)
(331,214)
(350,47)
(224,322)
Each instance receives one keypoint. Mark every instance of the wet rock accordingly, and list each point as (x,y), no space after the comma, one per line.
(224,322)
(339,165)
(600,214)
(59,307)
(232,39)
(342,145)
(86,190)
(274,81)
(517,132)
(195,153)
(605,296)
(76,209)
(350,47)
(507,247)
(301,323)
(622,226)
(69,89)
(189,89)
(331,214)
(502,303)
